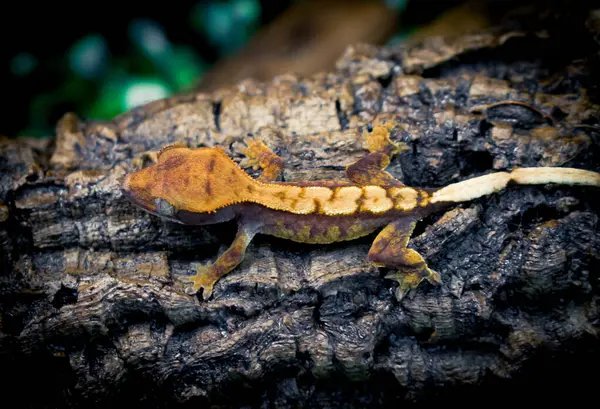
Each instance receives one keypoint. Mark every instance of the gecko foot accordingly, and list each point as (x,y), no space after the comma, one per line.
(258,155)
(410,279)
(379,141)
(253,152)
(204,280)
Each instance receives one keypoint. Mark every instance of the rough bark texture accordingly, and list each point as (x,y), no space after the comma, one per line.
(89,315)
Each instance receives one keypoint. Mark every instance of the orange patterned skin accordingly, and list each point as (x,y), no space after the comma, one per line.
(204,186)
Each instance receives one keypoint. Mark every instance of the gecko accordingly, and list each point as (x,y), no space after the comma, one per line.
(204,186)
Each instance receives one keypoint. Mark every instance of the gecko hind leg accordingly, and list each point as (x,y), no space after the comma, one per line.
(389,250)
(259,155)
(208,275)
(370,169)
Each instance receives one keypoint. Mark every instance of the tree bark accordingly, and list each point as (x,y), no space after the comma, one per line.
(90,316)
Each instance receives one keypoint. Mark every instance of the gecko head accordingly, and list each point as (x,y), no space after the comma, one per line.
(185,180)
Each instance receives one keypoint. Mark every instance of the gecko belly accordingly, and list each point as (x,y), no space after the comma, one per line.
(318,229)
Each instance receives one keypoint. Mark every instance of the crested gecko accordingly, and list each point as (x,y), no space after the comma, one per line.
(205,186)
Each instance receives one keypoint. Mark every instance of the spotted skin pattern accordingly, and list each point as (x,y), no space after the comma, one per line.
(204,186)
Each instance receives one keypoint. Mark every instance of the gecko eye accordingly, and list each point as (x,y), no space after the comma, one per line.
(164,208)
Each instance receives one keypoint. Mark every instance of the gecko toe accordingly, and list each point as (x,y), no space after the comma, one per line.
(188,284)
(200,281)
(409,280)
(206,292)
(193,288)
(203,280)
(433,277)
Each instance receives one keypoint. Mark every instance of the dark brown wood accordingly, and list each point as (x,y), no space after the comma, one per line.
(308,37)
(89,314)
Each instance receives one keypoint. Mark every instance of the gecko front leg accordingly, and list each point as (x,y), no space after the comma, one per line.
(207,276)
(259,155)
(389,250)
(370,169)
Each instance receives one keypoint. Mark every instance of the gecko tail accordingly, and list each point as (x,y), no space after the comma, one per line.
(495,182)
(562,176)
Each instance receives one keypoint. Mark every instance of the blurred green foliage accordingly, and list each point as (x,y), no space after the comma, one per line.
(102,85)
(22,64)
(227,25)
(100,77)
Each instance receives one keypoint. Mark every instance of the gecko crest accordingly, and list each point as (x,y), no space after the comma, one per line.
(205,180)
